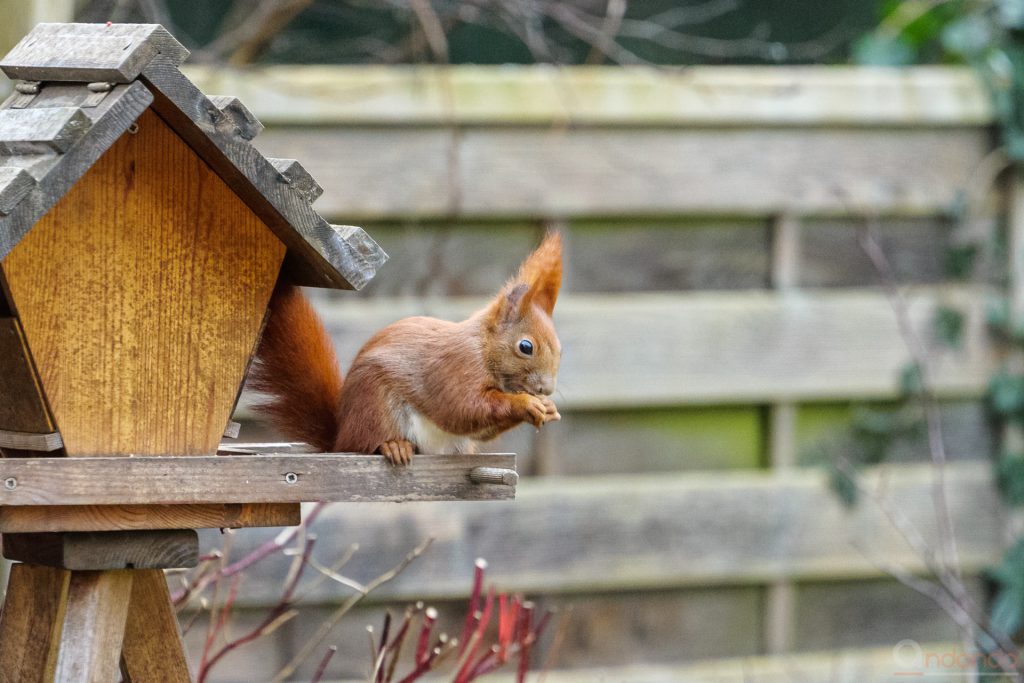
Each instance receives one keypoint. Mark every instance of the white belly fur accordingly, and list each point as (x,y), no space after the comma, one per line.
(429,438)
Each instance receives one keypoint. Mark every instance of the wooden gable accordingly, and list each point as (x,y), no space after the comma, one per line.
(141,294)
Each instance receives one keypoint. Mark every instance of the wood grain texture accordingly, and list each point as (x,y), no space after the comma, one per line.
(845,666)
(141,294)
(15,183)
(169,549)
(720,347)
(39,131)
(97,608)
(641,532)
(624,96)
(89,52)
(373,173)
(152,648)
(31,623)
(318,255)
(245,479)
(22,408)
(41,518)
(31,442)
(56,175)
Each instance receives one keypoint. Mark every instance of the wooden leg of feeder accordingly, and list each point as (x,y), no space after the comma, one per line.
(31,623)
(97,609)
(152,649)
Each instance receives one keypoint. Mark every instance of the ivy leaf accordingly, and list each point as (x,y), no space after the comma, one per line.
(1006,394)
(879,50)
(843,486)
(911,380)
(1008,609)
(949,327)
(960,261)
(1008,606)
(1010,476)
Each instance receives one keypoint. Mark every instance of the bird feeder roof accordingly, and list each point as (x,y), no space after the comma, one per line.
(84,85)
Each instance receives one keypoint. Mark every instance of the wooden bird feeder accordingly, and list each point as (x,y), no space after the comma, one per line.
(141,235)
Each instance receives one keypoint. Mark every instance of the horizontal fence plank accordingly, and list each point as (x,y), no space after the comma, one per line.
(633,533)
(377,173)
(716,96)
(937,663)
(268,478)
(630,351)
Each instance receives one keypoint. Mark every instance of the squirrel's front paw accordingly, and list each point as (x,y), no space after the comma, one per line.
(541,409)
(397,451)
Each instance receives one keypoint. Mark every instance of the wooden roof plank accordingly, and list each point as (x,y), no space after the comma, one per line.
(90,52)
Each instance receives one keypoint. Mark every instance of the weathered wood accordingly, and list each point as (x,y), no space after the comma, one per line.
(15,183)
(43,518)
(245,478)
(31,623)
(101,255)
(97,607)
(38,131)
(31,442)
(649,532)
(167,549)
(299,178)
(232,430)
(373,173)
(318,255)
(246,124)
(55,176)
(631,96)
(714,348)
(90,52)
(23,408)
(152,648)
(845,666)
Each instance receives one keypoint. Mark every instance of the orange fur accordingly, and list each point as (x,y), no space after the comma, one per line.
(420,382)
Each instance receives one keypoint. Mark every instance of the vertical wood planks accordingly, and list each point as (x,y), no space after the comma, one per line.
(94,621)
(141,294)
(31,623)
(152,649)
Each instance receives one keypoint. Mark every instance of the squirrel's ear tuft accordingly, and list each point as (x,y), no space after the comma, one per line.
(541,272)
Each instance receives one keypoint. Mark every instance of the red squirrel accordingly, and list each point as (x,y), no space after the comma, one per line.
(420,385)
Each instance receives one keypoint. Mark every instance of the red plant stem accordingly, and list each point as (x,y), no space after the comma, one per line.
(265,550)
(277,610)
(396,644)
(474,601)
(422,651)
(524,642)
(478,634)
(422,667)
(215,628)
(382,651)
(322,666)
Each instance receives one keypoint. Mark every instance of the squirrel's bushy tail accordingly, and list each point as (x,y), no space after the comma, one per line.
(297,369)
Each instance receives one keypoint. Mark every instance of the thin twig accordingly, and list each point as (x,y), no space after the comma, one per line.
(336,616)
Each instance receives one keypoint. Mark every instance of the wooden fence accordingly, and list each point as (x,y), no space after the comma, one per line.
(718,320)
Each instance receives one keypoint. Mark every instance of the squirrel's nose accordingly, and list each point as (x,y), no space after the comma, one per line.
(546,387)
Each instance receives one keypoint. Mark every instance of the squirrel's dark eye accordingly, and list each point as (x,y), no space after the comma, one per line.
(526,347)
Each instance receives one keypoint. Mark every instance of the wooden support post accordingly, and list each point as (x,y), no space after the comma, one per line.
(31,623)
(94,621)
(152,649)
(780,598)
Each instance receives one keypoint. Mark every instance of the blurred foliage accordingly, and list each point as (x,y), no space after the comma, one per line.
(662,32)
